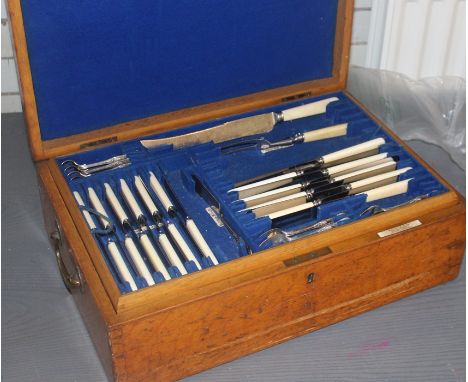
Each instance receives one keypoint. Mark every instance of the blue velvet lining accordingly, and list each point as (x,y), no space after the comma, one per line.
(99,63)
(220,172)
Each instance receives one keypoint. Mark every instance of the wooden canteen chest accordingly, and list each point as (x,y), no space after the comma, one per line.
(97,79)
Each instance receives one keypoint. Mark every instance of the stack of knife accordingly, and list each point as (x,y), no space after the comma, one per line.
(358,169)
(168,246)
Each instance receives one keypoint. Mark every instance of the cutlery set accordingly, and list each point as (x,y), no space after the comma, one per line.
(149,233)
(143,250)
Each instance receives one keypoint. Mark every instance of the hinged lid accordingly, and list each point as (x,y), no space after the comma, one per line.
(97,72)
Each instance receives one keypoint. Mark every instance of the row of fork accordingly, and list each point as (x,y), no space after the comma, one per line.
(74,170)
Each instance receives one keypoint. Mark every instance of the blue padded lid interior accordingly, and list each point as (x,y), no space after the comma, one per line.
(99,63)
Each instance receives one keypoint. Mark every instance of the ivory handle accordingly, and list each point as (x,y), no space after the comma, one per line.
(154,257)
(130,199)
(97,205)
(279,200)
(159,190)
(171,253)
(275,207)
(140,186)
(307,110)
(353,150)
(120,264)
(381,167)
(86,214)
(114,202)
(264,182)
(378,178)
(200,241)
(271,195)
(356,164)
(182,244)
(138,261)
(292,210)
(326,133)
(387,191)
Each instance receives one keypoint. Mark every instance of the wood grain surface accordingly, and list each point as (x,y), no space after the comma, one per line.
(417,339)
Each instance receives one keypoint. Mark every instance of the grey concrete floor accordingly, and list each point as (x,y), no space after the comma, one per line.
(420,338)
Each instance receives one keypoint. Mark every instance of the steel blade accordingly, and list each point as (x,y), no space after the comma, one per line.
(257,124)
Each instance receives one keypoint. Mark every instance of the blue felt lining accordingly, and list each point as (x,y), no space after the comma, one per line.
(99,63)
(220,172)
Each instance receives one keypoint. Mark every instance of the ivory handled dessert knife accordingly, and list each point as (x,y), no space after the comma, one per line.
(161,194)
(257,124)
(163,240)
(137,259)
(323,175)
(118,210)
(112,247)
(147,200)
(314,188)
(153,256)
(378,193)
(277,180)
(328,194)
(173,230)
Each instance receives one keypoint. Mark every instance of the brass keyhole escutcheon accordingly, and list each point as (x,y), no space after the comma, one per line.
(310,278)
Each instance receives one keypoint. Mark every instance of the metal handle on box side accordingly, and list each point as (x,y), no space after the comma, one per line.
(70,281)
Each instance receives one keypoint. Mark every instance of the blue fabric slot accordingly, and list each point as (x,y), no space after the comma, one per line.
(219,172)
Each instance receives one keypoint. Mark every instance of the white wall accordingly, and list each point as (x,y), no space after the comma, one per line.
(10,94)
(425,38)
(360,37)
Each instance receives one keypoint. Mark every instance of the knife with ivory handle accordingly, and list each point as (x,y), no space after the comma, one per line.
(173,230)
(257,124)
(300,183)
(322,194)
(145,242)
(315,188)
(324,161)
(130,246)
(119,262)
(372,195)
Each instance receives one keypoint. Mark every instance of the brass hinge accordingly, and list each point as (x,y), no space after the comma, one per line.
(295,97)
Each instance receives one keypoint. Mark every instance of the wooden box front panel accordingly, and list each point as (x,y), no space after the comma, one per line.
(195,336)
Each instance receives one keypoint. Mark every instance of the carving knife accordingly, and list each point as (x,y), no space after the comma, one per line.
(327,194)
(257,124)
(278,178)
(378,193)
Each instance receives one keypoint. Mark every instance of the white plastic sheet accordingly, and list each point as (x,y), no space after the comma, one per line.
(432,110)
